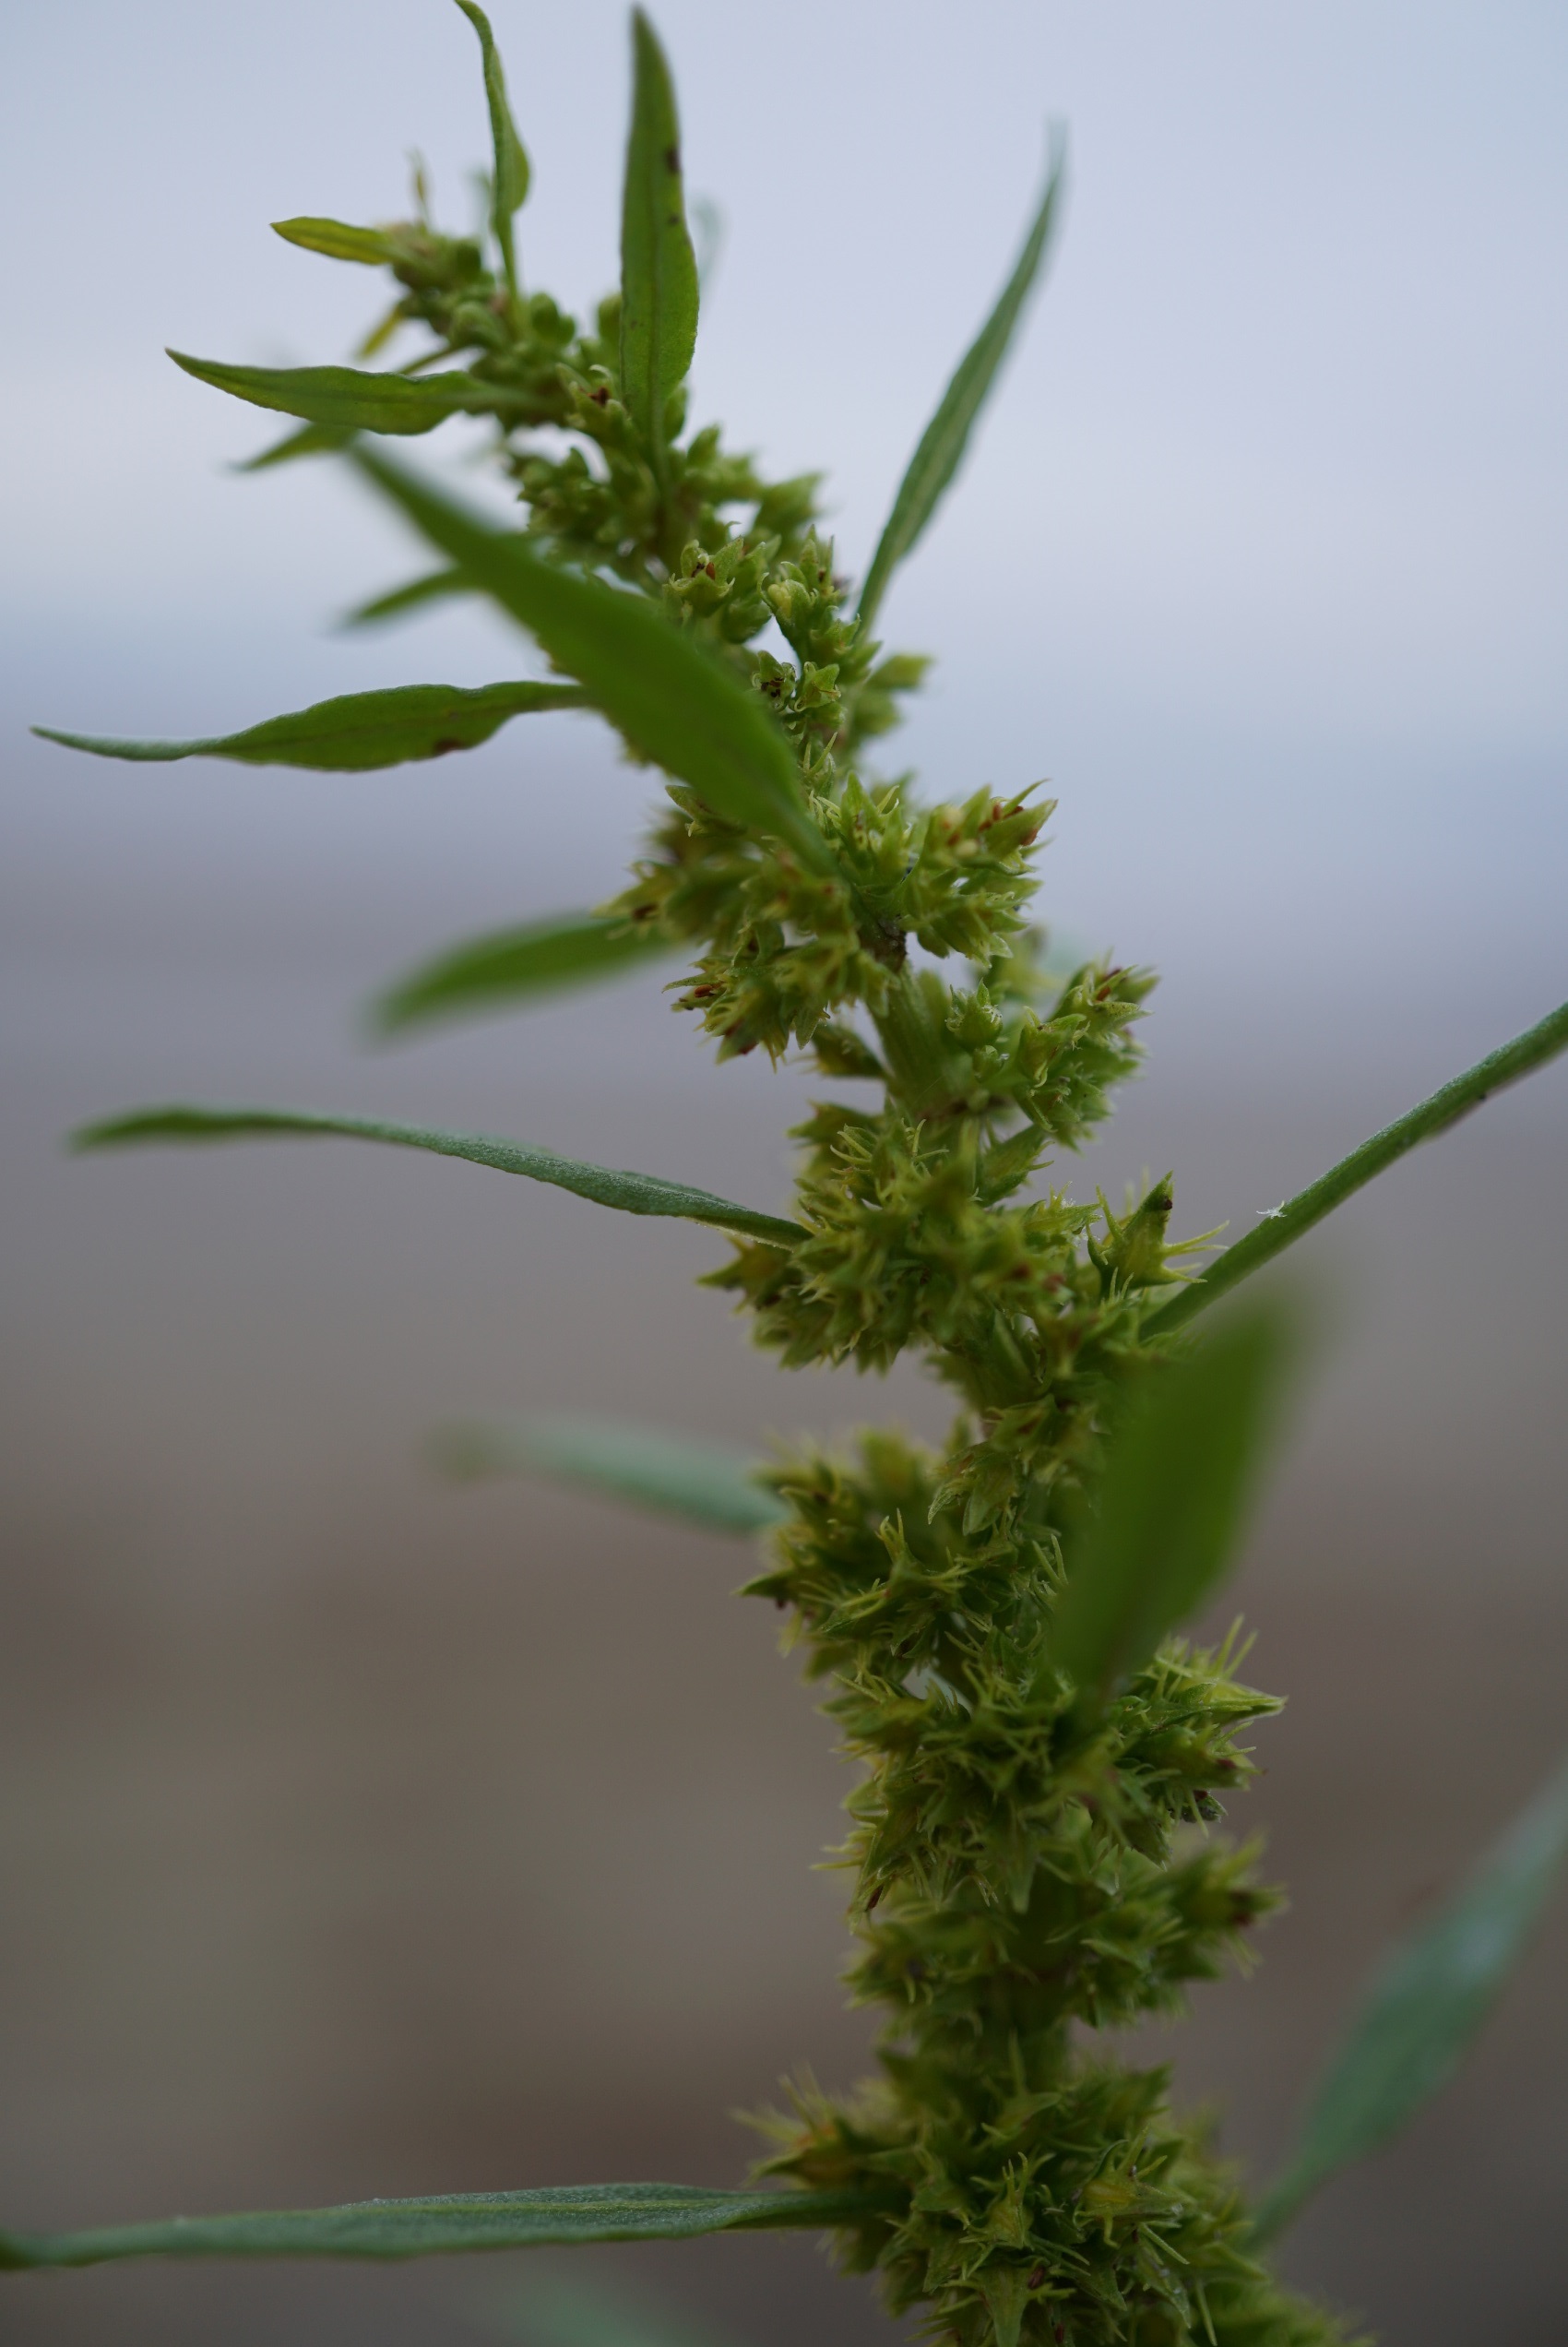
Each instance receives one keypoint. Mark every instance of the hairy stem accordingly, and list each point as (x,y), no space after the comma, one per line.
(910,1029)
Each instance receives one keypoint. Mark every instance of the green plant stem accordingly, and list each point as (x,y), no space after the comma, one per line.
(1292,1222)
(909,1027)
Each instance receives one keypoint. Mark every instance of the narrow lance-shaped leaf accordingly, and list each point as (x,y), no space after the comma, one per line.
(509,173)
(338,241)
(1176,1477)
(658,270)
(673,698)
(946,436)
(556,2216)
(518,965)
(310,440)
(351,399)
(1291,1220)
(431,587)
(1425,2004)
(359,732)
(702,1482)
(632,1193)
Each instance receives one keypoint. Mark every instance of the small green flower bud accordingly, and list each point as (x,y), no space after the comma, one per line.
(973,1020)
(1134,1254)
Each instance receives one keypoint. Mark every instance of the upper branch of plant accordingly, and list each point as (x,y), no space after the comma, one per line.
(1024,1864)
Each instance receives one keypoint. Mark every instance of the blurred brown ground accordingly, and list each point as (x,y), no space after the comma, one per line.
(363,1836)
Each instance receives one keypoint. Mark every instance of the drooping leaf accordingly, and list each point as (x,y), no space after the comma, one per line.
(1178,1470)
(359,732)
(658,270)
(351,399)
(509,173)
(632,1193)
(946,437)
(556,2216)
(703,1482)
(337,239)
(518,965)
(310,440)
(1425,2004)
(671,696)
(430,589)
(1290,1221)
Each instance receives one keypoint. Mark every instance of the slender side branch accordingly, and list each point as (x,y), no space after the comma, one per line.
(1297,1215)
(603,1185)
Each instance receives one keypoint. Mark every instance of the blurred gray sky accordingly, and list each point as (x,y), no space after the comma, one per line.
(1272,507)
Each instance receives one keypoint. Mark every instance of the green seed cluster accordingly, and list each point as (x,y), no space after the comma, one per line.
(1029,1867)
(603,501)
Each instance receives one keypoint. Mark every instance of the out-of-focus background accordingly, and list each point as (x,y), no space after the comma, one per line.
(364,1836)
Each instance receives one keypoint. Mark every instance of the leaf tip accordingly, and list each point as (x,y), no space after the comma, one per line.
(171,1123)
(83,1138)
(95,744)
(384,1017)
(207,371)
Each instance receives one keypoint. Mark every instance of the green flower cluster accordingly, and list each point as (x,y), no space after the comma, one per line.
(604,501)
(1026,1866)
(1029,1865)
